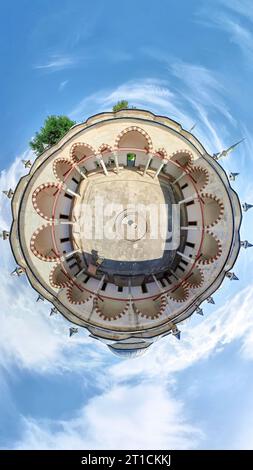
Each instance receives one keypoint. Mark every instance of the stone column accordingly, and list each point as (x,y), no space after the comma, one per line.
(188,199)
(150,156)
(102,163)
(67,255)
(179,178)
(100,284)
(190,260)
(64,222)
(163,162)
(116,161)
(69,191)
(80,273)
(80,172)
(157,283)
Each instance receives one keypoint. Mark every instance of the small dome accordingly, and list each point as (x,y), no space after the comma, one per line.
(128,353)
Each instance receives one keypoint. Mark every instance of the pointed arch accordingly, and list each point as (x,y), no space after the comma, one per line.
(42,244)
(213,209)
(43,199)
(134,137)
(183,157)
(61,168)
(58,278)
(161,152)
(80,150)
(211,249)
(103,148)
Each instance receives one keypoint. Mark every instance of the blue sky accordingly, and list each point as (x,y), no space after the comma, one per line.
(192,61)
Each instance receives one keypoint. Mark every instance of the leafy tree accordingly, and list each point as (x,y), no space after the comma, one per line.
(123,104)
(55,127)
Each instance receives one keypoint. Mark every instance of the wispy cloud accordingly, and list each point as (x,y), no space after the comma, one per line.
(147,92)
(143,416)
(146,415)
(63,84)
(240,35)
(234,18)
(197,98)
(239,7)
(232,321)
(56,63)
(202,85)
(24,333)
(203,89)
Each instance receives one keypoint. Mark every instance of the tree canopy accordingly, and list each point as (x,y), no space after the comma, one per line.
(123,104)
(55,127)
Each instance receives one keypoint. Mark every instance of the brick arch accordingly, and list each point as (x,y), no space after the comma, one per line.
(214,213)
(159,307)
(211,249)
(108,316)
(183,157)
(162,152)
(61,167)
(41,244)
(76,295)
(82,148)
(58,278)
(179,294)
(104,148)
(200,176)
(43,199)
(134,129)
(163,304)
(195,279)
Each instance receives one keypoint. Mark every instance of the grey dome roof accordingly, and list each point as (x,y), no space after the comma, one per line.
(128,353)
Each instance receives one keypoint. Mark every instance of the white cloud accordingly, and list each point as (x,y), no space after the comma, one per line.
(233,17)
(143,92)
(203,85)
(28,337)
(147,415)
(140,416)
(203,89)
(8,179)
(143,416)
(232,321)
(198,99)
(57,62)
(241,7)
(63,84)
(149,92)
(239,35)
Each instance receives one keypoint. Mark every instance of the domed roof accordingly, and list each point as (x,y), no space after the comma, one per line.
(128,353)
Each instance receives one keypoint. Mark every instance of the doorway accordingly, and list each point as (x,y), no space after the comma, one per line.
(131,157)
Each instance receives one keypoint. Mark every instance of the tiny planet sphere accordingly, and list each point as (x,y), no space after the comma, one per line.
(126,226)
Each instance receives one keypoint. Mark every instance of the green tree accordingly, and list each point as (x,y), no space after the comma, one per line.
(123,104)
(55,127)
